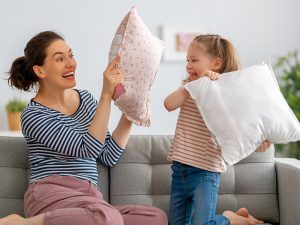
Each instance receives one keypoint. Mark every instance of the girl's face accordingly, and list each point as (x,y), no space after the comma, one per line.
(198,61)
(59,66)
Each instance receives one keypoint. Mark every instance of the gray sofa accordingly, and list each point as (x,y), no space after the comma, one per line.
(269,188)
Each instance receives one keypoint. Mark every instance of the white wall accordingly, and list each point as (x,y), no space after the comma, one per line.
(260,29)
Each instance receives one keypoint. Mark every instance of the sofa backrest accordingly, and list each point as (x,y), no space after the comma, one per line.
(251,183)
(14,174)
(143,176)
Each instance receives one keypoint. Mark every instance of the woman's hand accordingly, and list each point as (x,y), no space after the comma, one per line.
(211,74)
(263,147)
(112,76)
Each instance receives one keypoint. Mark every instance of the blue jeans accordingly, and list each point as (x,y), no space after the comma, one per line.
(194,194)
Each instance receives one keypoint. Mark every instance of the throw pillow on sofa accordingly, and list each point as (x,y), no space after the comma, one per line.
(140,53)
(244,108)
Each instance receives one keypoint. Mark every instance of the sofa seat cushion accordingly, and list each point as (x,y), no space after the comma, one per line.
(143,176)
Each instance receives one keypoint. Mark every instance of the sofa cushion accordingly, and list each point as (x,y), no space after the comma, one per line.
(14,175)
(143,176)
(251,183)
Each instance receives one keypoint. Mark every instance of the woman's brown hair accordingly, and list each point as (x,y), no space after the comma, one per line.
(21,74)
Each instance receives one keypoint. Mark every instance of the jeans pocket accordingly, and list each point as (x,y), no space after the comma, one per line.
(215,180)
(174,165)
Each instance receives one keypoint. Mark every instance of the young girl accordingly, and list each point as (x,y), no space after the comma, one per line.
(197,160)
(66,132)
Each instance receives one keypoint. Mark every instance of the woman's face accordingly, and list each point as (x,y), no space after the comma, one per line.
(59,66)
(198,61)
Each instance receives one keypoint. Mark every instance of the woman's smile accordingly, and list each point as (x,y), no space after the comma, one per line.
(69,75)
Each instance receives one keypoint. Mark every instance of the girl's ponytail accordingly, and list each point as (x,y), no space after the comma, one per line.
(230,57)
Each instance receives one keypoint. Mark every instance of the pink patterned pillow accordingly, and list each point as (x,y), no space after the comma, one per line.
(140,53)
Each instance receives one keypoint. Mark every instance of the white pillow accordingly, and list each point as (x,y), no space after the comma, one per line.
(244,108)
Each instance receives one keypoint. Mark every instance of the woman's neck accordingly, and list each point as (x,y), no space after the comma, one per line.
(53,97)
(66,101)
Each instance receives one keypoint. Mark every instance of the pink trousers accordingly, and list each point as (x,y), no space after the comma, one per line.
(67,200)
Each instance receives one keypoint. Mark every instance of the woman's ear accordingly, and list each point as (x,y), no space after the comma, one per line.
(218,63)
(39,71)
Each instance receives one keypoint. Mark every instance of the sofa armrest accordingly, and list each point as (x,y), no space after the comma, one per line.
(288,184)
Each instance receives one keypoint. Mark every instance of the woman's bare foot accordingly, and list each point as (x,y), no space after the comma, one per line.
(245,213)
(12,219)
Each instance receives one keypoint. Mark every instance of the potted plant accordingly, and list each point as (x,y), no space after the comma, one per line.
(290,88)
(14,109)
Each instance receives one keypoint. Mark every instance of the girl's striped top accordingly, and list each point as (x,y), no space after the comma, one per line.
(193,143)
(60,144)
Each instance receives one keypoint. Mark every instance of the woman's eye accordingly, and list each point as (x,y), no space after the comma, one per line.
(60,59)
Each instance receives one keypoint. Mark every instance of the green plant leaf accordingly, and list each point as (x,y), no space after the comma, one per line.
(290,88)
(16,105)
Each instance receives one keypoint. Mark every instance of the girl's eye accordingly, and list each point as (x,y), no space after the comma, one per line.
(71,56)
(192,60)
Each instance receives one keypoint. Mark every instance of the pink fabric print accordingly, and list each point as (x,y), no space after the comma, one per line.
(140,54)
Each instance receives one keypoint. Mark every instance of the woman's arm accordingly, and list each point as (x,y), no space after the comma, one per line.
(99,125)
(122,131)
(111,77)
(114,145)
(176,99)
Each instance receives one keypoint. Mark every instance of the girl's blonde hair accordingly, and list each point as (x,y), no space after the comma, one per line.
(219,47)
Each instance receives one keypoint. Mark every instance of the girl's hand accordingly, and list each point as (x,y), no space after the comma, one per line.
(111,77)
(211,74)
(263,147)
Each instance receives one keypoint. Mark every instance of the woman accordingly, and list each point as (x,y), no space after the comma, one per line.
(66,132)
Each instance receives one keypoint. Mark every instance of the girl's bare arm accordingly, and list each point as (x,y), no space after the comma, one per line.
(176,99)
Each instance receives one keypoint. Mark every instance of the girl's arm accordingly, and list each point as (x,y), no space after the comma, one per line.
(176,99)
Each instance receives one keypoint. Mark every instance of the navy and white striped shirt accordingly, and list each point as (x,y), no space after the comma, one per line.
(60,144)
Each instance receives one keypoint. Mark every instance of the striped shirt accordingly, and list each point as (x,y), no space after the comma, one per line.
(193,143)
(60,144)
